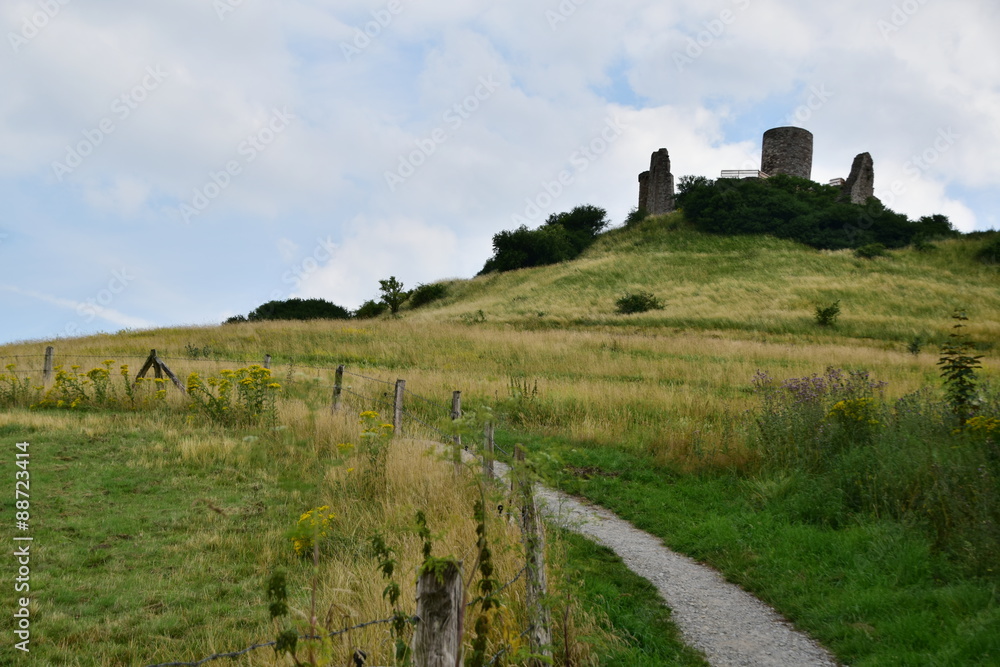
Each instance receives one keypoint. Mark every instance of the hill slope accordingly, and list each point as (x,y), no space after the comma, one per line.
(745,283)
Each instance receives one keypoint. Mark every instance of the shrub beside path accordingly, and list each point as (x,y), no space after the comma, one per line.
(727,624)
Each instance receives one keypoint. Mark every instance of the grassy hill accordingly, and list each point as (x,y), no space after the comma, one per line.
(740,283)
(652,414)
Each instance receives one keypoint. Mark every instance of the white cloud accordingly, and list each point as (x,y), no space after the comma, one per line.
(752,64)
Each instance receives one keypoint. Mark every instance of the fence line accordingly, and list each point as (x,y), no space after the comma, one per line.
(533,567)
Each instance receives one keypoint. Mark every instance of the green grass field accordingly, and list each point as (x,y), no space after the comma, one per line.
(156,531)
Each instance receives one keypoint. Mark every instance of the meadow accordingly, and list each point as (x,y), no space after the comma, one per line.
(655,415)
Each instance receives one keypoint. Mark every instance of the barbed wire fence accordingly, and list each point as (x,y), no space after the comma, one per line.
(387,394)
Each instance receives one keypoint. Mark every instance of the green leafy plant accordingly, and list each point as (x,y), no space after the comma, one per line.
(958,368)
(637,302)
(826,316)
(277,599)
(487,587)
(387,565)
(244,396)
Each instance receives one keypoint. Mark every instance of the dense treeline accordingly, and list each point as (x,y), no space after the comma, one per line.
(563,237)
(801,210)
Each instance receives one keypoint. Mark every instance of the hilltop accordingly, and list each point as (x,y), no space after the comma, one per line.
(748,284)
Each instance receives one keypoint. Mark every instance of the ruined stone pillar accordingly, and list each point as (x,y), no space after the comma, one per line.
(643,190)
(660,184)
(860,185)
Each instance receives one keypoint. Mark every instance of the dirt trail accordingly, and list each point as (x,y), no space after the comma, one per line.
(727,624)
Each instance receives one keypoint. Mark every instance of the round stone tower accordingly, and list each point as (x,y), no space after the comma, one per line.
(787,150)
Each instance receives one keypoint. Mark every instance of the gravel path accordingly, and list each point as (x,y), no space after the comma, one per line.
(727,624)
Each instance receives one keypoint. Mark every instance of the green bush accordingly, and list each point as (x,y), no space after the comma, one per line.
(563,237)
(636,215)
(990,253)
(848,452)
(826,316)
(870,251)
(801,210)
(370,309)
(638,302)
(294,309)
(425,294)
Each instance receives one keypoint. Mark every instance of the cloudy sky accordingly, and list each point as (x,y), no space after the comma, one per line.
(180,162)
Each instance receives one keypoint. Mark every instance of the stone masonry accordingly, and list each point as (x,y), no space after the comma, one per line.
(787,150)
(656,186)
(860,185)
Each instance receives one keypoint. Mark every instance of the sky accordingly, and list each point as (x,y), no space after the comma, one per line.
(177,163)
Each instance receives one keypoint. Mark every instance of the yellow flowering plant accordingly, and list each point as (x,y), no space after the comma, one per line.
(312,528)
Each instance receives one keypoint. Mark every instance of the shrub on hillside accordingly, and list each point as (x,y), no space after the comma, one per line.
(870,251)
(294,309)
(637,302)
(563,237)
(826,316)
(425,294)
(801,210)
(370,309)
(990,253)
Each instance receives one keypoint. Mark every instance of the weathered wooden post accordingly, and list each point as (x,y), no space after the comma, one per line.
(338,384)
(47,368)
(533,536)
(159,368)
(488,451)
(437,638)
(397,412)
(267,361)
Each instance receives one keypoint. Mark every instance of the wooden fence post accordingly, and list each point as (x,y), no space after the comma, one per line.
(533,536)
(488,452)
(267,361)
(397,409)
(456,412)
(159,368)
(437,638)
(47,368)
(338,384)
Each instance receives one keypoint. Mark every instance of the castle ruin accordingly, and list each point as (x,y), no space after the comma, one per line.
(784,150)
(656,186)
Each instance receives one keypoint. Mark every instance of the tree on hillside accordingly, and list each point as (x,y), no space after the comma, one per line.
(393,294)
